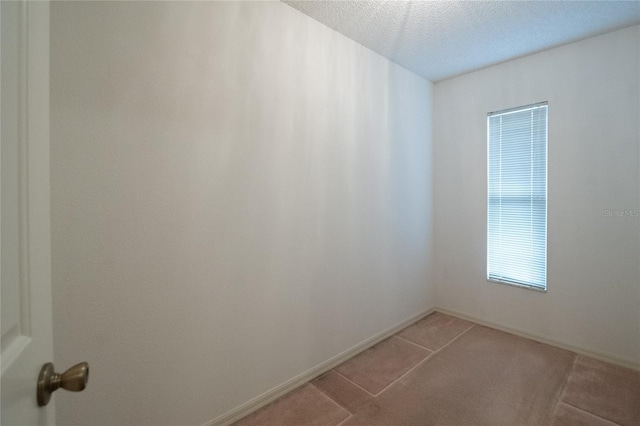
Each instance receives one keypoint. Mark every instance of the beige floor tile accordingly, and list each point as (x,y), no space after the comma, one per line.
(606,390)
(435,330)
(303,406)
(343,391)
(566,415)
(378,366)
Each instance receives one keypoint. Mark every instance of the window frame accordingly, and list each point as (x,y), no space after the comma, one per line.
(531,199)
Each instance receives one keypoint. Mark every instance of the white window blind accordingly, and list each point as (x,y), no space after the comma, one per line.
(517,196)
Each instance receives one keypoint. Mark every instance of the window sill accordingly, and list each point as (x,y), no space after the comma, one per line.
(525,286)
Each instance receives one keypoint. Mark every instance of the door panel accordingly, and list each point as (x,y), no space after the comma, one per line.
(25,254)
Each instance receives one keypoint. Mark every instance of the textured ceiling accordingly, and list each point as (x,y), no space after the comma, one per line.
(442,39)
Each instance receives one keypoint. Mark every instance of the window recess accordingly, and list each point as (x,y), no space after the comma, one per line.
(517,196)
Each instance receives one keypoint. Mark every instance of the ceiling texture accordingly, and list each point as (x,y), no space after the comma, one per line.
(442,39)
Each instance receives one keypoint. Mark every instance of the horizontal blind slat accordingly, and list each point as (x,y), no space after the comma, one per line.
(517,196)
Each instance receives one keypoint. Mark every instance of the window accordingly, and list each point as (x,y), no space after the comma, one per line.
(517,196)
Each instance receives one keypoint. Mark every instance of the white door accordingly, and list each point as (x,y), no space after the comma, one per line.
(25,266)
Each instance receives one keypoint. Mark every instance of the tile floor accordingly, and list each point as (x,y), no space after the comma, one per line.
(444,370)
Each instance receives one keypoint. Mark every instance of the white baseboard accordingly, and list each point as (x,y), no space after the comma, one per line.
(299,380)
(542,339)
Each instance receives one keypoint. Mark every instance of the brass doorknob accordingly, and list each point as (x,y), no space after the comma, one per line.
(74,379)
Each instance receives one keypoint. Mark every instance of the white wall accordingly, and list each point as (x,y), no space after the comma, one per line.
(593,297)
(238,194)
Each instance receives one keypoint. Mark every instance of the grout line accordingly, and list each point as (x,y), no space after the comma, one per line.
(456,338)
(333,400)
(565,380)
(424,360)
(345,420)
(351,381)
(590,413)
(414,343)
